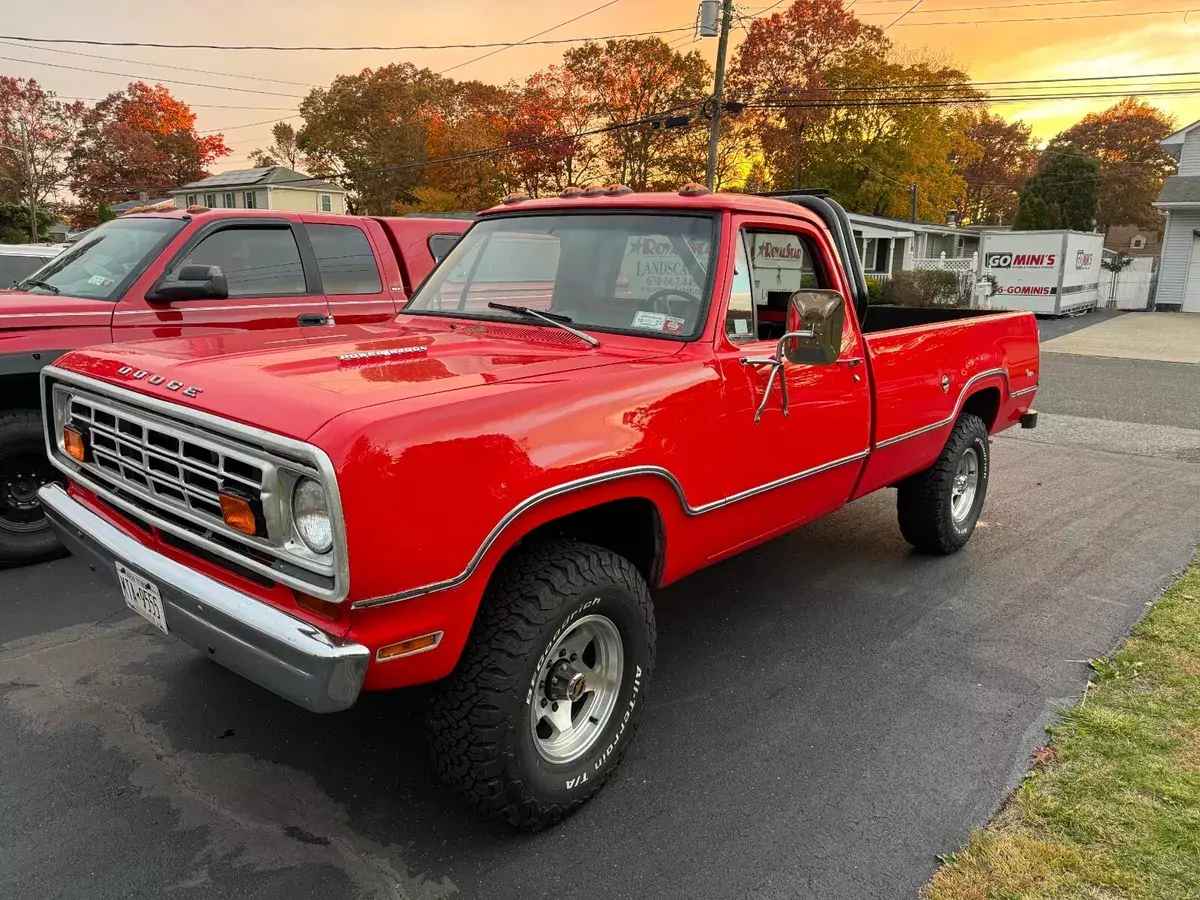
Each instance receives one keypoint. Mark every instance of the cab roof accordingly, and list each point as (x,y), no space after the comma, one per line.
(659,200)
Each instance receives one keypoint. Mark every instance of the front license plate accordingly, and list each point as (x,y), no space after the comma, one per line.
(142,596)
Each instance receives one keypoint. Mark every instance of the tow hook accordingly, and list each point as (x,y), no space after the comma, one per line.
(1029,419)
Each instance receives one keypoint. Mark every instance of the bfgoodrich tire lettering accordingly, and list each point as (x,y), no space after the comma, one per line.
(927,503)
(481,733)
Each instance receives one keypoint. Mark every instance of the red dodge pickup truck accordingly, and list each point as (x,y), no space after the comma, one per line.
(178,274)
(592,396)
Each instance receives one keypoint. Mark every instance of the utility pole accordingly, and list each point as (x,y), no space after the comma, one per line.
(714,134)
(914,201)
(27,153)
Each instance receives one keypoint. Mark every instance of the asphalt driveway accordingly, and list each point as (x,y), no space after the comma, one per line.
(829,711)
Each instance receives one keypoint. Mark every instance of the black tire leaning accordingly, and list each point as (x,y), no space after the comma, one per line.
(479,728)
(923,501)
(21,431)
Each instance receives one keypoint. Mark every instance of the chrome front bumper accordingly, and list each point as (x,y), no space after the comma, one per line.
(287,656)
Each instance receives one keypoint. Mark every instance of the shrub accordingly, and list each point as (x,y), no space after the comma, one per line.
(874,290)
(925,287)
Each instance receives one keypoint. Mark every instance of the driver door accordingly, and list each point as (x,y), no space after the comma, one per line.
(788,469)
(272,279)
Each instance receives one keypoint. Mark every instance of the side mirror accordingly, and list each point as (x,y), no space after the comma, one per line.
(815,320)
(193,282)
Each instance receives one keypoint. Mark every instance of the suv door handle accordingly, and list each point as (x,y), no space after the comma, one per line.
(308,320)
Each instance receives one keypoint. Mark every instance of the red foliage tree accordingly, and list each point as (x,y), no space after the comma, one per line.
(138,141)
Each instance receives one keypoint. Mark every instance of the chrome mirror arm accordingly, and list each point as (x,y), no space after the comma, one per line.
(776,364)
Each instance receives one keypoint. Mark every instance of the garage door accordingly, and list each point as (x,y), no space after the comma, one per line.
(1191,288)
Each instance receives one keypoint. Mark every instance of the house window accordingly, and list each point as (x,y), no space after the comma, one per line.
(191,199)
(1138,243)
(248,196)
(326,203)
(210,200)
(230,200)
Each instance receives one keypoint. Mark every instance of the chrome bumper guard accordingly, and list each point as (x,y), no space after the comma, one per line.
(283,654)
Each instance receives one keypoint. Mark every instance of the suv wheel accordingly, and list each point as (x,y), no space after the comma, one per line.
(544,701)
(25,534)
(938,508)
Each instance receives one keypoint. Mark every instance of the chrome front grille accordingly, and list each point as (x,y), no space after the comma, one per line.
(177,468)
(168,472)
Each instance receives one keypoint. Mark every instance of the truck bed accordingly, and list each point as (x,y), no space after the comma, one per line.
(889,318)
(925,374)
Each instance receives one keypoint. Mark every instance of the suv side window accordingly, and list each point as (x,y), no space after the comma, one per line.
(344,259)
(258,262)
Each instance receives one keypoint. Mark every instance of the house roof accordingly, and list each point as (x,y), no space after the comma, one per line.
(277,175)
(1180,189)
(126,205)
(1179,136)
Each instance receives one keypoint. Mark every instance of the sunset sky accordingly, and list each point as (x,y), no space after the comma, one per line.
(1113,42)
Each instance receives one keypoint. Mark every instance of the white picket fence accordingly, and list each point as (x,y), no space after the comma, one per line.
(1129,288)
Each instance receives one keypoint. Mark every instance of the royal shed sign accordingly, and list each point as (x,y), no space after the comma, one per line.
(1051,272)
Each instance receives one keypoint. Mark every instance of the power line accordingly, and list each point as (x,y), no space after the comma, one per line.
(1127,15)
(307,48)
(985,84)
(896,21)
(772,103)
(154,78)
(193,105)
(158,65)
(531,37)
(248,125)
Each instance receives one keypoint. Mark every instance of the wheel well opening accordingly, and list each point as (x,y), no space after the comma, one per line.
(630,527)
(20,391)
(985,404)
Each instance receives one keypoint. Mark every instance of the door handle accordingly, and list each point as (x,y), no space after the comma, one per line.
(309,320)
(852,361)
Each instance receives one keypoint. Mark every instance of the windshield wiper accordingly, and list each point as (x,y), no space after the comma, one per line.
(556,319)
(42,284)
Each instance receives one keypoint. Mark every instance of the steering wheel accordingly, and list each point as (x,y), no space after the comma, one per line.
(659,302)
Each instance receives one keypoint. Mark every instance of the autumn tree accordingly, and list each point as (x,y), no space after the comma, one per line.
(1001,160)
(874,142)
(137,141)
(37,131)
(552,116)
(285,149)
(634,79)
(784,63)
(1133,165)
(1063,193)
(470,118)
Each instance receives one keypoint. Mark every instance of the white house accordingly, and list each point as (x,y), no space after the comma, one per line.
(273,187)
(887,246)
(1179,271)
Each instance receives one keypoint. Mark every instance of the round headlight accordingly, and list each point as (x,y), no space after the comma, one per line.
(310,514)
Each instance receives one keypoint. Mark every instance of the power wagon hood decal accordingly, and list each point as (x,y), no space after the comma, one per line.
(293,381)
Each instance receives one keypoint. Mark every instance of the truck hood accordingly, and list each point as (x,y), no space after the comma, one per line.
(24,311)
(293,381)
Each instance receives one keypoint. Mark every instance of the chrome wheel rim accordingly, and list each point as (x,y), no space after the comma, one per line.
(966,483)
(576,689)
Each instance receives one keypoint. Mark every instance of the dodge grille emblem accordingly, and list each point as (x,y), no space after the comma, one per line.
(190,391)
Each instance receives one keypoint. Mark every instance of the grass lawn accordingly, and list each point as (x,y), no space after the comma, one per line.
(1111,810)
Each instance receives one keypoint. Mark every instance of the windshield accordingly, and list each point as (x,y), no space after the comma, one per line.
(100,265)
(630,273)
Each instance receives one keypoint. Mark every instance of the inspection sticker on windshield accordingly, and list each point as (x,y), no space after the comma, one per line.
(100,280)
(658,322)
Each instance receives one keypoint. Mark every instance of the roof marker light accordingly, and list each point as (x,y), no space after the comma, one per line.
(692,189)
(515,197)
(616,190)
(571,191)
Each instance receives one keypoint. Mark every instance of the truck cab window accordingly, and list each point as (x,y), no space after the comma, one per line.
(781,263)
(739,317)
(258,262)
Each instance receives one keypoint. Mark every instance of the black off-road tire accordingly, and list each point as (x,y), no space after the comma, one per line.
(480,731)
(21,432)
(923,501)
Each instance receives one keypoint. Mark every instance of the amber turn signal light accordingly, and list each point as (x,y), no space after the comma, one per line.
(73,444)
(409,647)
(238,515)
